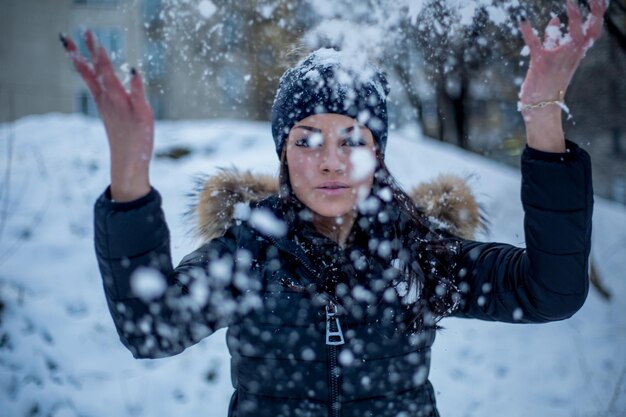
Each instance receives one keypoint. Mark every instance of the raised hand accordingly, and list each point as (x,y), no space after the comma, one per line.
(553,63)
(127,118)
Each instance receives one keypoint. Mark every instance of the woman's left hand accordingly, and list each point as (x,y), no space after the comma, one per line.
(553,62)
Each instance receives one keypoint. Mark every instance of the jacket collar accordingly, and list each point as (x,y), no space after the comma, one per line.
(223,198)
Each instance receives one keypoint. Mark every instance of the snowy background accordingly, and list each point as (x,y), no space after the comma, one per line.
(60,354)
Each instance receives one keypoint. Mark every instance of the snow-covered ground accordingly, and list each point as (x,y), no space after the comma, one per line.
(59,352)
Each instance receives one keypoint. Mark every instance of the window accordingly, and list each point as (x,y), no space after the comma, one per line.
(156,102)
(151,10)
(154,57)
(98,2)
(85,104)
(110,38)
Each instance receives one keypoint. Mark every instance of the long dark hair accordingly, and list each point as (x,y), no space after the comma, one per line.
(427,257)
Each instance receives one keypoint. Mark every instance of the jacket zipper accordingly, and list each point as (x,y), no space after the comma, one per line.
(303,260)
(334,338)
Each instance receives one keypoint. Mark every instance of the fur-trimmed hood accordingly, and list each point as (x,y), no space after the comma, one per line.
(446,200)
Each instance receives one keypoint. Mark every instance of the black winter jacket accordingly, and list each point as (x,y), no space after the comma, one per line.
(295,353)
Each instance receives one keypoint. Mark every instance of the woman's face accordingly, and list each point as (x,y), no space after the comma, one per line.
(331,161)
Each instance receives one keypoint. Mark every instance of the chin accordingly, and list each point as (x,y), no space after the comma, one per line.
(332,209)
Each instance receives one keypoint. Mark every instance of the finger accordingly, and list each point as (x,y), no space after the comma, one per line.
(530,37)
(87,74)
(593,26)
(574,21)
(90,41)
(82,67)
(555,21)
(598,7)
(67,43)
(137,94)
(552,35)
(104,68)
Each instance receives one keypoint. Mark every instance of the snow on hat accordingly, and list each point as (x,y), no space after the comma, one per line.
(330,81)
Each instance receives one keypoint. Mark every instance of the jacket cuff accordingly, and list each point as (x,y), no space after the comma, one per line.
(107,201)
(571,149)
(557,181)
(129,229)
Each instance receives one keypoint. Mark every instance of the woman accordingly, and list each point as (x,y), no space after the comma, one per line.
(331,289)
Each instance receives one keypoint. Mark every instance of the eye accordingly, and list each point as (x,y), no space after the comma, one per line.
(313,141)
(353,141)
(303,142)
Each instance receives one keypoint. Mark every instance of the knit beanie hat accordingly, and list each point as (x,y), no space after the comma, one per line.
(330,81)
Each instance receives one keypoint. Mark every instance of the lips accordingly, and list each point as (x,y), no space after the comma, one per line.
(332,185)
(331,189)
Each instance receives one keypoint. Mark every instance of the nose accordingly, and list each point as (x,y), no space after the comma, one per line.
(333,159)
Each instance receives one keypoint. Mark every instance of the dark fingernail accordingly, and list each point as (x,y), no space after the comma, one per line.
(133,71)
(63,40)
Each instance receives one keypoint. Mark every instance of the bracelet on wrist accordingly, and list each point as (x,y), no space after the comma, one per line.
(540,105)
(521,107)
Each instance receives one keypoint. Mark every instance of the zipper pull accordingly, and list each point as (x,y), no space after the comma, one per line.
(333,337)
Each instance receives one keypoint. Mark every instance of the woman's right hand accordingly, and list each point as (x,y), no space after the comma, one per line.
(127,117)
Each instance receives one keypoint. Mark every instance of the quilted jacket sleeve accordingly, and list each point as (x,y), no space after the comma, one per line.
(160,310)
(548,280)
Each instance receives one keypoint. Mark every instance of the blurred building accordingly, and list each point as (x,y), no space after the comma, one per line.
(35,75)
(198,59)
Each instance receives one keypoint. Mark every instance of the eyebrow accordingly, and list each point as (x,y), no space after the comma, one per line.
(317,130)
(309,128)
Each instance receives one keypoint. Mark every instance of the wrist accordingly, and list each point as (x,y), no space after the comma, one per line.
(534,100)
(544,129)
(129,186)
(125,193)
